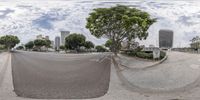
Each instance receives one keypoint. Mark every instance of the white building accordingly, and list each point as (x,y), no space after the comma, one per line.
(64,34)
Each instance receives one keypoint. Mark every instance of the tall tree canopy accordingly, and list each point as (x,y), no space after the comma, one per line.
(119,23)
(29,45)
(109,44)
(39,43)
(89,45)
(74,41)
(9,41)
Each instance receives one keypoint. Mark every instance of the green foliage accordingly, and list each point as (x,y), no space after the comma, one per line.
(20,48)
(74,41)
(47,43)
(62,47)
(109,44)
(29,45)
(89,45)
(9,41)
(144,55)
(39,42)
(162,54)
(2,47)
(100,48)
(119,23)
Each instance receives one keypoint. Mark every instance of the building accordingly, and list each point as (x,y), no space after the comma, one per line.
(129,44)
(57,43)
(52,44)
(47,37)
(165,39)
(195,42)
(151,45)
(39,36)
(64,34)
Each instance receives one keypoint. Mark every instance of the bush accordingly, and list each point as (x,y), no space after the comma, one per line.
(144,55)
(162,54)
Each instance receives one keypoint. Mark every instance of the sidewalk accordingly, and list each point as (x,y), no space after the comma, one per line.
(179,75)
(6,83)
(134,63)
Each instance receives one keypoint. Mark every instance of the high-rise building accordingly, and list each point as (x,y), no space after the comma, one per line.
(57,43)
(165,39)
(64,34)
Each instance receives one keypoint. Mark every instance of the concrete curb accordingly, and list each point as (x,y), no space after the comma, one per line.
(146,67)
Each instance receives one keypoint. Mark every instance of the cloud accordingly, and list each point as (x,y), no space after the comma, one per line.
(4,13)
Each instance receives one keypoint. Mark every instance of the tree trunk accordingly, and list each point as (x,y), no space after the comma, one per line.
(8,48)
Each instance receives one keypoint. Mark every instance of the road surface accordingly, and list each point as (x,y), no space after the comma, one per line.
(58,76)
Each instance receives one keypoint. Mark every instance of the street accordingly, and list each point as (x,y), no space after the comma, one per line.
(93,77)
(46,75)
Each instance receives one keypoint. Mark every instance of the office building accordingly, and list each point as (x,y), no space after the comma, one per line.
(41,37)
(64,34)
(57,43)
(166,39)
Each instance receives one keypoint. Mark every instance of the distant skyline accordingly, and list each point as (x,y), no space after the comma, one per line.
(27,19)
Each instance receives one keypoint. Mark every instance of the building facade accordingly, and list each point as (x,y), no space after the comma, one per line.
(41,37)
(57,43)
(166,39)
(64,34)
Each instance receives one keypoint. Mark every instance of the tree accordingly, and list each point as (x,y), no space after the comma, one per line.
(20,47)
(88,45)
(62,47)
(39,43)
(119,23)
(74,41)
(47,43)
(100,48)
(9,41)
(109,44)
(29,45)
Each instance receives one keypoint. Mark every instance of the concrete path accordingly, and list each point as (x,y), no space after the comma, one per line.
(135,63)
(180,72)
(6,81)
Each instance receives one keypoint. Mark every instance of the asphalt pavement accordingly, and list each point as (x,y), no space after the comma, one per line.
(59,76)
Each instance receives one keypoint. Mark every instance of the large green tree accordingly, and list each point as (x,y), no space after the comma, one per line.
(74,41)
(119,23)
(39,43)
(9,41)
(109,44)
(47,43)
(100,48)
(29,45)
(89,45)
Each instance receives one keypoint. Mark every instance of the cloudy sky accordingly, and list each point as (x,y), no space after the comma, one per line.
(28,18)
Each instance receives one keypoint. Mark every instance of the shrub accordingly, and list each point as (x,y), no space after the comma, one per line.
(162,54)
(144,55)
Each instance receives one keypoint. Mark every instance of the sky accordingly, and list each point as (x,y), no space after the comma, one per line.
(29,18)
